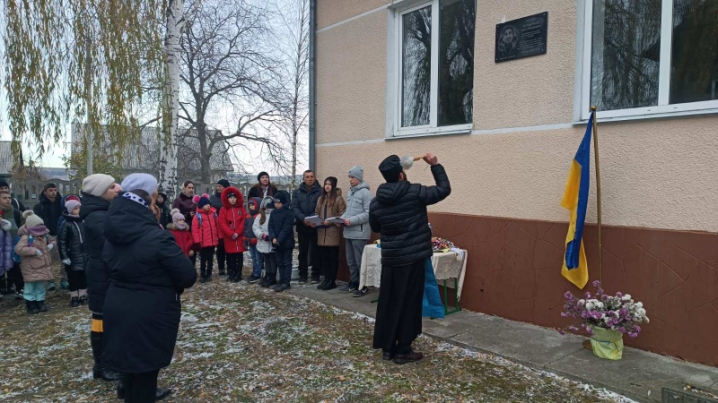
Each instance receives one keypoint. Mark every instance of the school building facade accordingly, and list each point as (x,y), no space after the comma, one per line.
(503,101)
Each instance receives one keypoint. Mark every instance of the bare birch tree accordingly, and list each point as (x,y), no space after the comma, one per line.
(294,16)
(227,67)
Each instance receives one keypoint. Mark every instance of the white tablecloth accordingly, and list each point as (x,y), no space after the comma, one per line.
(449,265)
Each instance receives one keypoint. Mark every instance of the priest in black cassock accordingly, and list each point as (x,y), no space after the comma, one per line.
(398,213)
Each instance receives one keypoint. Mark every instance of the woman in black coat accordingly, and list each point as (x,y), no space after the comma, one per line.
(148,272)
(97,192)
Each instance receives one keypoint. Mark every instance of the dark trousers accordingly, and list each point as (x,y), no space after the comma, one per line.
(221,255)
(140,388)
(235,262)
(398,313)
(284,264)
(206,260)
(270,265)
(307,253)
(14,277)
(327,260)
(76,278)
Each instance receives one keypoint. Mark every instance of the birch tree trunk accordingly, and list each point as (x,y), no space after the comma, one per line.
(168,148)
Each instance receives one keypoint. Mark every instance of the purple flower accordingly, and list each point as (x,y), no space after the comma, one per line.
(596,283)
(568,295)
(622,330)
(619,294)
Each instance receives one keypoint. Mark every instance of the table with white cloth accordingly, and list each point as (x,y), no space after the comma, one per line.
(449,265)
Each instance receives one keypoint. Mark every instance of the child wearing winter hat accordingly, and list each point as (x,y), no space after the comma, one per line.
(72,252)
(180,230)
(205,234)
(251,240)
(281,233)
(231,225)
(260,227)
(34,248)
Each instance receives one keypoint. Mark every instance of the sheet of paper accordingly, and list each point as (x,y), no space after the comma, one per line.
(314,220)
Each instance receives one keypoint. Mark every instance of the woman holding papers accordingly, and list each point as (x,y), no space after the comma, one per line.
(330,205)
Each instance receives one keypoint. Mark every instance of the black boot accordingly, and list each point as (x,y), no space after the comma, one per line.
(74,302)
(99,371)
(31,307)
(41,306)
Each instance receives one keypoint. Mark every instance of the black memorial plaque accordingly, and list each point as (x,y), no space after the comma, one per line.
(521,38)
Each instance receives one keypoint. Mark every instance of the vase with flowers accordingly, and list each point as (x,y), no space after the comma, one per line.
(606,318)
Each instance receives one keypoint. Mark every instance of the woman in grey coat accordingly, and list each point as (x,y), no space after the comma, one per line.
(356,226)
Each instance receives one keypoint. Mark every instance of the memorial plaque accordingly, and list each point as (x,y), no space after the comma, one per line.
(521,38)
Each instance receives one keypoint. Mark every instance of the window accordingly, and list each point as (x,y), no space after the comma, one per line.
(434,67)
(648,57)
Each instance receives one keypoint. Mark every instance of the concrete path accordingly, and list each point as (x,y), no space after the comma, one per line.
(640,375)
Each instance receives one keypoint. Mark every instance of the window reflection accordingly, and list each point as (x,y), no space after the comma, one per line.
(416,67)
(456,61)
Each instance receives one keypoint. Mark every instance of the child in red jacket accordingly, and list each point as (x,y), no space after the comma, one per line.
(206,237)
(180,230)
(231,226)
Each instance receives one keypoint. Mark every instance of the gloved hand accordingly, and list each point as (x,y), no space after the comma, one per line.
(51,246)
(67,262)
(6,225)
(265,237)
(38,252)
(234,236)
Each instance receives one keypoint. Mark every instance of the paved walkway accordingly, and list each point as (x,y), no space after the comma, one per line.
(640,375)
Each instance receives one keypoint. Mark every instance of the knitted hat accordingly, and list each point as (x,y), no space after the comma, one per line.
(223,182)
(231,194)
(4,184)
(205,195)
(145,182)
(71,204)
(282,197)
(390,168)
(176,215)
(32,219)
(203,201)
(259,177)
(357,172)
(97,184)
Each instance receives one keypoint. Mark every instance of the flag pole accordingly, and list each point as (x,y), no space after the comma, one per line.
(598,190)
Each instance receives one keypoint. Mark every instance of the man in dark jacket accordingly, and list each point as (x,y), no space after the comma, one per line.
(216,201)
(304,204)
(398,213)
(148,273)
(282,238)
(97,192)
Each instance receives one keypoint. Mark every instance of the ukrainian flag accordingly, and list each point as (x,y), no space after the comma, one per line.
(575,199)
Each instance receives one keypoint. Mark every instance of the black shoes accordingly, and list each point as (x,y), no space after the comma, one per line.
(32,308)
(281,287)
(268,282)
(412,356)
(74,302)
(328,285)
(315,280)
(302,280)
(105,374)
(253,279)
(41,306)
(160,394)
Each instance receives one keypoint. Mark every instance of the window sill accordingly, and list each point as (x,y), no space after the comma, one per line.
(650,116)
(431,133)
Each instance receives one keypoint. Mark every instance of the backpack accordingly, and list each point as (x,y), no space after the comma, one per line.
(30,241)
(199,217)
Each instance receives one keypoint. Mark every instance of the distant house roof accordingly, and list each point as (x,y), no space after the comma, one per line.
(6,158)
(144,154)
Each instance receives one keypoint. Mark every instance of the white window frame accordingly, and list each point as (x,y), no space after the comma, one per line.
(394,74)
(663,109)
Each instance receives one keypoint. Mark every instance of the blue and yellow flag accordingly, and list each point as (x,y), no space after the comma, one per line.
(575,199)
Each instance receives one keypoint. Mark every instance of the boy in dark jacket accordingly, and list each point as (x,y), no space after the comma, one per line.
(282,235)
(251,240)
(72,253)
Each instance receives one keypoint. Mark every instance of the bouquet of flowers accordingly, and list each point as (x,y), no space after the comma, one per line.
(441,244)
(616,312)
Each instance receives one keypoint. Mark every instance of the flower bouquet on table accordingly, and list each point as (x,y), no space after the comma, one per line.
(441,244)
(606,318)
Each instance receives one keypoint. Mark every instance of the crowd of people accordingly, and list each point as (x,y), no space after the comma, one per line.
(129,254)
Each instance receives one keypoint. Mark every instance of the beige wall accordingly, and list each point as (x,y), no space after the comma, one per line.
(333,11)
(655,173)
